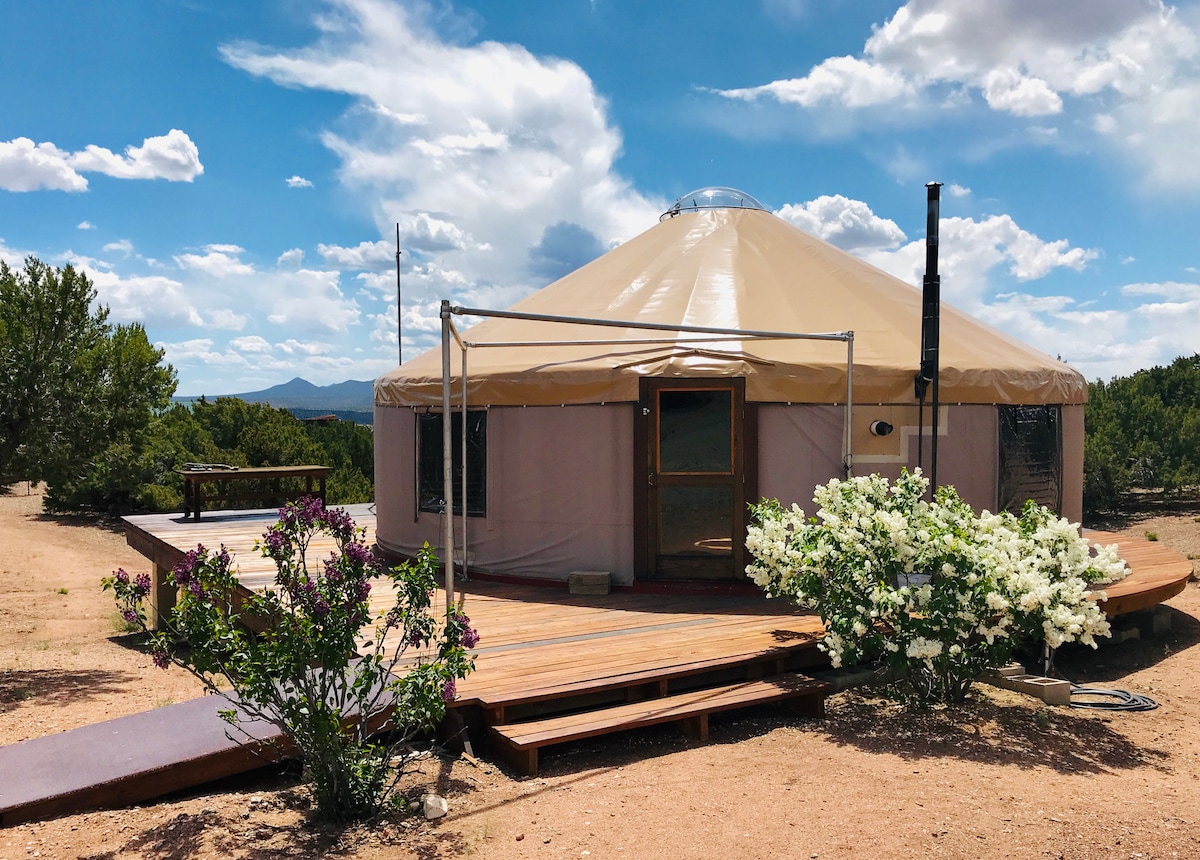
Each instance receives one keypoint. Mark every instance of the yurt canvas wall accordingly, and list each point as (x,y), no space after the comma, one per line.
(560,492)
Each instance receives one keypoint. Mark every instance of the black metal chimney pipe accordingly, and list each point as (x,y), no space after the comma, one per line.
(927,376)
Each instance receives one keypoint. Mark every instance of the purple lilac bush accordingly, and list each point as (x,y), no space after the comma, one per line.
(321,666)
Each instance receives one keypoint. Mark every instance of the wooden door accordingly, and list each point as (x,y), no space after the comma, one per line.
(693,491)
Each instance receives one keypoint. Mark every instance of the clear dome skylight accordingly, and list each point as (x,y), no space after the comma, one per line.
(712,197)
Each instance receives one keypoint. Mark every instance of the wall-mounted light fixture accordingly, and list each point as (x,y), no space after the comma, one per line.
(880,428)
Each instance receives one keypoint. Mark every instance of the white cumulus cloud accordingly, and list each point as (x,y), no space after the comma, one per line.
(849,224)
(475,148)
(251,343)
(29,166)
(970,249)
(364,255)
(848,81)
(123,246)
(291,257)
(220,261)
(153,300)
(298,182)
(1126,71)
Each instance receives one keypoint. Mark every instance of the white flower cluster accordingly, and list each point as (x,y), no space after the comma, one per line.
(929,586)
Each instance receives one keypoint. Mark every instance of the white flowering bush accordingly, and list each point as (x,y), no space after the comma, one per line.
(932,590)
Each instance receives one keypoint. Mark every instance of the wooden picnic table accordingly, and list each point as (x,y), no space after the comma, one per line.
(227,479)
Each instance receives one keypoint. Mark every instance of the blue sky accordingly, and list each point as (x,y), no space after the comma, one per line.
(230,174)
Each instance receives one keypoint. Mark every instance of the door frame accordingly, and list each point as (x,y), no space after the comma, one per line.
(745,463)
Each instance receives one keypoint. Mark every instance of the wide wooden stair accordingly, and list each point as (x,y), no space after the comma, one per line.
(518,743)
(519,724)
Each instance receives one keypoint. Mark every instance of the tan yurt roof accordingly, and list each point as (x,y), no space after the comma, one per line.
(745,269)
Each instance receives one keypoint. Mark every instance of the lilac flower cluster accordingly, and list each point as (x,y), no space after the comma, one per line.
(360,555)
(304,513)
(459,627)
(199,565)
(130,593)
(339,523)
(278,546)
(469,637)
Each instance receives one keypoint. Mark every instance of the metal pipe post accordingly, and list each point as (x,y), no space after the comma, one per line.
(447,458)
(466,575)
(848,441)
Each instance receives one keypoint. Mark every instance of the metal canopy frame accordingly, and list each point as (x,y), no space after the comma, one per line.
(450,332)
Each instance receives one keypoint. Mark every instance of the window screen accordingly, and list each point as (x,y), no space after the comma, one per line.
(429,462)
(1030,457)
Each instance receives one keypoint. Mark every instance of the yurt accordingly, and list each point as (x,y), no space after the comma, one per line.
(634,448)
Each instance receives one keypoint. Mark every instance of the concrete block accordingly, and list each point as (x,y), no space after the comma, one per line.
(589,582)
(1052,691)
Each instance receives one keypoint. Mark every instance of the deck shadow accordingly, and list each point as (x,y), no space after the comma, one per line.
(1113,661)
(622,749)
(64,686)
(649,603)
(987,732)
(982,731)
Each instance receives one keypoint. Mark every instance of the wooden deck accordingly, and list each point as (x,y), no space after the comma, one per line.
(545,653)
(552,666)
(540,643)
(1156,573)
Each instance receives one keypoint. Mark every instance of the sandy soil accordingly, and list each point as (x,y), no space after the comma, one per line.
(1004,777)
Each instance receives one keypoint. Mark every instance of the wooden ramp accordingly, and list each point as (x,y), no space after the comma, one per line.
(130,760)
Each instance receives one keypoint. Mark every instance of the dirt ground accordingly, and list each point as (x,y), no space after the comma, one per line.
(1004,777)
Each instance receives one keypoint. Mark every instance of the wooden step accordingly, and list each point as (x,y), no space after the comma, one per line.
(518,743)
(639,680)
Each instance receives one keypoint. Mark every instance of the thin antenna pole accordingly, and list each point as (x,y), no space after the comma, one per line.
(399,303)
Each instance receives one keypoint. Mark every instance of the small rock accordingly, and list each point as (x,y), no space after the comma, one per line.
(208,810)
(435,807)
(520,836)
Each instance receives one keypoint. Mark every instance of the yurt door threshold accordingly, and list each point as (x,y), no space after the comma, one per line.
(692,493)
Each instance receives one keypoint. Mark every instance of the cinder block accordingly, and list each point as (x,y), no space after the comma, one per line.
(1052,691)
(1161,622)
(1124,634)
(589,582)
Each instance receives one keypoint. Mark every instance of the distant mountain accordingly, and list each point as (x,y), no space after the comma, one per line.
(352,395)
